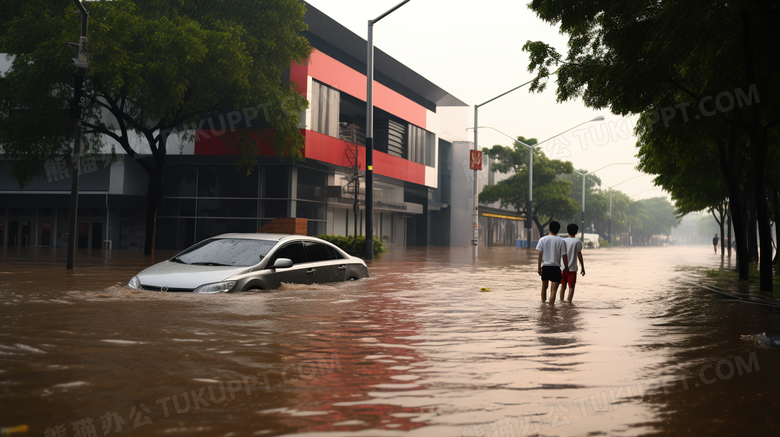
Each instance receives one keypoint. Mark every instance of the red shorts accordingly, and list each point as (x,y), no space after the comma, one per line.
(569,277)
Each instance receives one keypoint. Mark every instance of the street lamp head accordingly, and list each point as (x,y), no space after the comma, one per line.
(598,118)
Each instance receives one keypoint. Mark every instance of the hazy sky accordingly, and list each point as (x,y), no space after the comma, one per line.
(472,49)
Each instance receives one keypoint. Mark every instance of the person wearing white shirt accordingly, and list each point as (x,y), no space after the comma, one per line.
(574,252)
(551,249)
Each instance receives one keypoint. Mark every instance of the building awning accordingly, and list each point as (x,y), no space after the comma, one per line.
(379,204)
(508,217)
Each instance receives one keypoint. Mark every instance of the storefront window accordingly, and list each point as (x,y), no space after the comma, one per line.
(226,181)
(177,207)
(179,181)
(227,208)
(311,184)
(276,182)
(207,228)
(310,210)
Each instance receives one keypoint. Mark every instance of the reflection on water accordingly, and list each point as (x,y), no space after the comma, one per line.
(416,349)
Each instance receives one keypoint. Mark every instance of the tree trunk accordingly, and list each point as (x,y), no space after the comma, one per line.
(740,217)
(730,168)
(153,197)
(722,234)
(752,229)
(539,226)
(728,225)
(719,220)
(759,151)
(156,171)
(762,216)
(775,196)
(766,239)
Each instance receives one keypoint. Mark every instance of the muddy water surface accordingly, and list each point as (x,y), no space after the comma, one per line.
(416,349)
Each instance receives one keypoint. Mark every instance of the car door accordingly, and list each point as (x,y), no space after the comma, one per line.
(299,273)
(321,258)
(341,264)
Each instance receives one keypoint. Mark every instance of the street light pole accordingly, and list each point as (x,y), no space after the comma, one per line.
(609,225)
(82,62)
(582,217)
(475,211)
(370,132)
(529,211)
(582,224)
(582,207)
(609,222)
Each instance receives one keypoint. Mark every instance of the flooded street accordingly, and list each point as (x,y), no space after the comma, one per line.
(416,349)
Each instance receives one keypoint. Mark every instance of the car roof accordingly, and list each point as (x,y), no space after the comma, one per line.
(279,237)
(267,236)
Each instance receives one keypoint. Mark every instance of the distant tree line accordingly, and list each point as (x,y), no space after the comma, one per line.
(557,195)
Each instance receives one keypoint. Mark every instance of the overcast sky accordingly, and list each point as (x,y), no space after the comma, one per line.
(472,49)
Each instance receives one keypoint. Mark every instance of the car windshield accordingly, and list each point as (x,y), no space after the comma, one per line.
(235,252)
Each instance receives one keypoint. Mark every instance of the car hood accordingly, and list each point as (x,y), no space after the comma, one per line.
(177,275)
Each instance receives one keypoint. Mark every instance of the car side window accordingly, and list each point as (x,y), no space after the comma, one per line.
(317,252)
(334,254)
(293,251)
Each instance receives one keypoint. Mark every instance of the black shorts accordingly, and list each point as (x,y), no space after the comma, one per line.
(551,273)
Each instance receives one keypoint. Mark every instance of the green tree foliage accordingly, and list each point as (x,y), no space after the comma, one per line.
(596,206)
(637,56)
(551,198)
(707,227)
(658,218)
(692,177)
(156,67)
(643,218)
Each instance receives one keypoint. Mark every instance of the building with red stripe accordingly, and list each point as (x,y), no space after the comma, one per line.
(422,188)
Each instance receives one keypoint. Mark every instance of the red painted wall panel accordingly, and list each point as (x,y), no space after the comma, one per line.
(333,151)
(208,144)
(330,71)
(299,74)
(322,148)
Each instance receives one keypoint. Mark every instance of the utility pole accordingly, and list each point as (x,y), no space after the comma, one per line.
(370,132)
(76,106)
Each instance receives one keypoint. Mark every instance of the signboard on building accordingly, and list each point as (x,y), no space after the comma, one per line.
(475,163)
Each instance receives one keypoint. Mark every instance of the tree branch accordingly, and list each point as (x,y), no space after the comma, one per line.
(772,124)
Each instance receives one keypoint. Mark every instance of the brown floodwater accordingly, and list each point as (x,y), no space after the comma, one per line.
(416,349)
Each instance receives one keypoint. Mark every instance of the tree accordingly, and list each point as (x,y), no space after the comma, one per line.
(596,205)
(156,67)
(707,227)
(624,55)
(551,194)
(688,175)
(627,215)
(658,218)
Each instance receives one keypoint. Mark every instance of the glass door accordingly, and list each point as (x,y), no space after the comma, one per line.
(46,234)
(13,233)
(96,236)
(83,235)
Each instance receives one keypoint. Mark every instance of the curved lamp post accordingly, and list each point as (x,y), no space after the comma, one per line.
(582,222)
(370,132)
(529,211)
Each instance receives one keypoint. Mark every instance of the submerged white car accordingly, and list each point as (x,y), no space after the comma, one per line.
(244,262)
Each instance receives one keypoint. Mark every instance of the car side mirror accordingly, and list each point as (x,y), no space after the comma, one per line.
(283,263)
